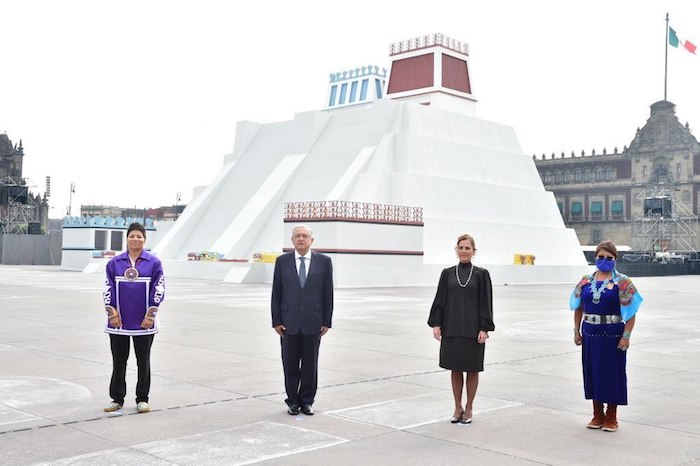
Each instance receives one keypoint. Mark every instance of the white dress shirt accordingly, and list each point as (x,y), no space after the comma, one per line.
(307,258)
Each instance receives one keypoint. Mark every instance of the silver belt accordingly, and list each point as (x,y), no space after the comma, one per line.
(598,319)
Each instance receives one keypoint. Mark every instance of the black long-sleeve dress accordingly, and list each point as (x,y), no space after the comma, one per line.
(461,312)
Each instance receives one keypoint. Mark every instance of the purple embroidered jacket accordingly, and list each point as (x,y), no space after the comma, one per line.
(132,298)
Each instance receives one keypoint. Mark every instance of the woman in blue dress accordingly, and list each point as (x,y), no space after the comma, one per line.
(604,304)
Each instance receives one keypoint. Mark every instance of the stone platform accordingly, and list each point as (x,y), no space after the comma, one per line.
(217,389)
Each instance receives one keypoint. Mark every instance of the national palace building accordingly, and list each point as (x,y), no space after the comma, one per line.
(645,196)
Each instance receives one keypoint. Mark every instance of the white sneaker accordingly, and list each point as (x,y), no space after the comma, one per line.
(143,407)
(113,406)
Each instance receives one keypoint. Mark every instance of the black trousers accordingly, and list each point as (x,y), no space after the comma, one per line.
(300,363)
(120,345)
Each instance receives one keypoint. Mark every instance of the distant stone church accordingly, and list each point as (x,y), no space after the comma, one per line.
(20,210)
(646,196)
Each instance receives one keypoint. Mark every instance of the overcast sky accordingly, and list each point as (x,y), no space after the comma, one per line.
(135,101)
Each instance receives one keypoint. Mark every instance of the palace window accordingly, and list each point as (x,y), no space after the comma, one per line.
(576,210)
(596,236)
(561,207)
(548,177)
(558,177)
(599,174)
(568,176)
(610,174)
(587,175)
(661,174)
(596,209)
(578,175)
(617,209)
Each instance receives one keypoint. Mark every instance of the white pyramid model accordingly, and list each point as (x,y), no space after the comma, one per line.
(469,176)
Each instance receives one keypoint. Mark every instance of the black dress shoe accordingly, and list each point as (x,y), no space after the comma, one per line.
(293,410)
(308,410)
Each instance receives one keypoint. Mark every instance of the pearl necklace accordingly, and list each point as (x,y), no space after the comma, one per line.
(459,282)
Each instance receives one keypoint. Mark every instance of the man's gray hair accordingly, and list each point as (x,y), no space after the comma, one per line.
(303,227)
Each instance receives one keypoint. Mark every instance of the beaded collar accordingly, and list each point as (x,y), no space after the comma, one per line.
(630,298)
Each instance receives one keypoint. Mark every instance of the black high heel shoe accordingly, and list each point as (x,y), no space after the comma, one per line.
(457,419)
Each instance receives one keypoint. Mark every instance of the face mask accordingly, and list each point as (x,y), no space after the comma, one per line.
(604,265)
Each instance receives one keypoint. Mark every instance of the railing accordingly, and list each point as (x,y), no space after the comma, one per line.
(597,218)
(429,41)
(352,211)
(103,222)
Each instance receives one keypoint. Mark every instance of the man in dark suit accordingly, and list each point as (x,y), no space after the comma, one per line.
(302,308)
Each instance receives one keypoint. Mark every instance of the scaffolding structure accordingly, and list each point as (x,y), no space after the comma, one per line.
(17,209)
(666,225)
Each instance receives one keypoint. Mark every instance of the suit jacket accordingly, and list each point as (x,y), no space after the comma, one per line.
(300,309)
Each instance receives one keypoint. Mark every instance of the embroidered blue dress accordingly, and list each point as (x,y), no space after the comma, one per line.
(604,365)
(604,374)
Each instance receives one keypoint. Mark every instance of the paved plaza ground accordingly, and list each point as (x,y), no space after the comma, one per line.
(217,389)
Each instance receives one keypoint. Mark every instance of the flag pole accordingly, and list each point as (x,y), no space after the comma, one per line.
(666,59)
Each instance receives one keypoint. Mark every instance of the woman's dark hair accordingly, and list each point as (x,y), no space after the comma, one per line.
(607,246)
(136,226)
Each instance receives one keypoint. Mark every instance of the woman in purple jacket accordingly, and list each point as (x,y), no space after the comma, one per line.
(134,289)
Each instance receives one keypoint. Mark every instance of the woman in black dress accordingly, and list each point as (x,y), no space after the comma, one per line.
(461,317)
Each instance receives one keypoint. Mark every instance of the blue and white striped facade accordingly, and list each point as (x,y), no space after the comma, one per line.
(357,86)
(86,239)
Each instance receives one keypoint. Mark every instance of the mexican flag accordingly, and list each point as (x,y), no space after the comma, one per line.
(674,41)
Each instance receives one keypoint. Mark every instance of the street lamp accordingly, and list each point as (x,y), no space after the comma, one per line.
(70,198)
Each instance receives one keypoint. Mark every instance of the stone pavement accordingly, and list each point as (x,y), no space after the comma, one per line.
(217,390)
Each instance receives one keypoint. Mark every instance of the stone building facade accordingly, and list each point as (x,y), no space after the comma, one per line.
(646,196)
(11,156)
(21,211)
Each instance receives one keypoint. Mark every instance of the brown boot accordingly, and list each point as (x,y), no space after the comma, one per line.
(598,416)
(610,423)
